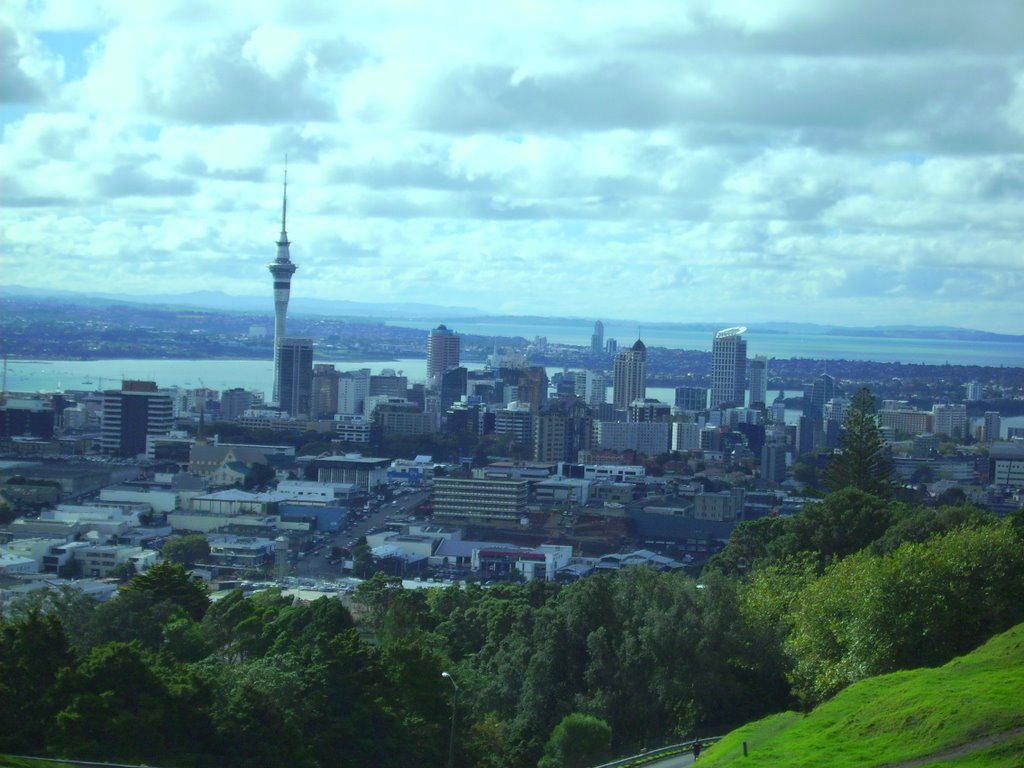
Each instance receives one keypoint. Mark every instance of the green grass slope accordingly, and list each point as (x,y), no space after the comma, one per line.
(900,717)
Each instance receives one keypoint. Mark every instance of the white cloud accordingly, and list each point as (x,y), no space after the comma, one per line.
(843,159)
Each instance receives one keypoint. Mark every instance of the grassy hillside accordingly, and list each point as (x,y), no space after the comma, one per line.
(900,717)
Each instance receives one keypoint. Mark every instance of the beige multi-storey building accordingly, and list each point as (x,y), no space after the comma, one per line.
(630,375)
(477,497)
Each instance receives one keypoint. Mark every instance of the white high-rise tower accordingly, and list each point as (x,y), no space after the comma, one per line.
(282,270)
(728,368)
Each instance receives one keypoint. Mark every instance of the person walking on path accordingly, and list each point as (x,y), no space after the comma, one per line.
(696,749)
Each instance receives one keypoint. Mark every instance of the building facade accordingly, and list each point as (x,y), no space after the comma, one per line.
(758,382)
(630,375)
(295,372)
(442,352)
(481,498)
(130,415)
(728,368)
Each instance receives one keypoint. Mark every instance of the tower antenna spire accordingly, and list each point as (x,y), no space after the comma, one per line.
(284,199)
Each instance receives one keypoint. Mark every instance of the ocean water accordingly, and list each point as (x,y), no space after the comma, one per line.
(65,375)
(778,345)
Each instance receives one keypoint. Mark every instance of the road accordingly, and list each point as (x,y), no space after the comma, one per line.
(672,762)
(315,565)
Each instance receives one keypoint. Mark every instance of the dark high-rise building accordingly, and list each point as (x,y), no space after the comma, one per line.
(388,383)
(32,418)
(728,368)
(235,402)
(324,398)
(131,414)
(691,398)
(630,375)
(773,462)
(823,390)
(282,270)
(295,376)
(442,353)
(531,384)
(453,386)
(597,339)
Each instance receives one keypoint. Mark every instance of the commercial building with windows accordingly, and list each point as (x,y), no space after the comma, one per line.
(629,375)
(131,414)
(442,352)
(728,368)
(367,472)
(295,372)
(480,498)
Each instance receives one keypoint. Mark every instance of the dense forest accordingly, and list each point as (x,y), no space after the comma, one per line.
(792,611)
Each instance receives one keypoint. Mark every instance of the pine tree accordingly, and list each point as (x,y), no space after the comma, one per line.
(864,463)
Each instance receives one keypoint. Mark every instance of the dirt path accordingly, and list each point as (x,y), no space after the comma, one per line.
(963,749)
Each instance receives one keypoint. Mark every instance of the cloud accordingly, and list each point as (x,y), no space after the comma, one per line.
(28,74)
(660,160)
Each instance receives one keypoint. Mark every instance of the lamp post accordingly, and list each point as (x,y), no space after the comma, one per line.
(451,738)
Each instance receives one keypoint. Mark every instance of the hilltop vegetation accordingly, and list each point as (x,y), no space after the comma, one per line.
(900,716)
(162,676)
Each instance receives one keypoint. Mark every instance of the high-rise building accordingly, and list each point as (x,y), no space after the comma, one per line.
(630,375)
(515,420)
(597,339)
(453,386)
(758,382)
(295,376)
(561,430)
(442,353)
(353,390)
(389,383)
(728,368)
(282,270)
(823,390)
(691,398)
(324,399)
(992,426)
(648,409)
(235,402)
(591,386)
(773,462)
(973,391)
(530,384)
(950,420)
(131,414)
(33,418)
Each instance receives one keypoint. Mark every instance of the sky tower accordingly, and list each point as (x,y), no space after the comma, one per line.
(282,270)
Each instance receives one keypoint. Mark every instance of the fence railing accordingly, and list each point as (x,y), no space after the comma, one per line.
(658,754)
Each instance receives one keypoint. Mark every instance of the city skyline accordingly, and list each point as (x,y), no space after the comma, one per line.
(860,164)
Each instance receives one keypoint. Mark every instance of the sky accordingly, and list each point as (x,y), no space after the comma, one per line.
(857,163)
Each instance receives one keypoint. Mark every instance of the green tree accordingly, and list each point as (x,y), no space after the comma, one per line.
(864,463)
(918,606)
(116,707)
(33,652)
(169,581)
(576,742)
(187,550)
(259,475)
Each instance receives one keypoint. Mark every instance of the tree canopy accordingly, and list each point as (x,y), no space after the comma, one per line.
(864,462)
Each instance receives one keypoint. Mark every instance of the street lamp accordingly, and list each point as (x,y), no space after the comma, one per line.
(451,738)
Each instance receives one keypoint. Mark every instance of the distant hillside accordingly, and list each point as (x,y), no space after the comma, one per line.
(301,305)
(969,712)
